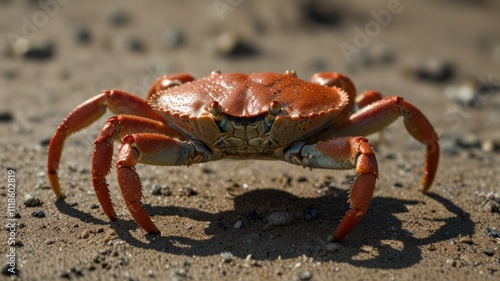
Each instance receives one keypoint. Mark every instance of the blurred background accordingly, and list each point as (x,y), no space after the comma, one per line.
(407,48)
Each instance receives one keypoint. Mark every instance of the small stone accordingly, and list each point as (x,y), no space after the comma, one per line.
(6,116)
(188,191)
(465,239)
(489,252)
(31,201)
(279,219)
(50,241)
(305,275)
(45,142)
(312,214)
(332,247)
(322,12)
(133,44)
(302,179)
(172,38)
(491,232)
(83,34)
(34,48)
(231,44)
(38,214)
(227,257)
(155,190)
(464,95)
(490,146)
(469,141)
(238,224)
(435,69)
(85,234)
(397,184)
(118,17)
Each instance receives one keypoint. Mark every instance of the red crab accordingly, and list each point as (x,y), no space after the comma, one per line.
(184,121)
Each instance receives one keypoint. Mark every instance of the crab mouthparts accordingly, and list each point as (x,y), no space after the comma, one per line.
(221,118)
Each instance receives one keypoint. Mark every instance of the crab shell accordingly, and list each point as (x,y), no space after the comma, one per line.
(305,107)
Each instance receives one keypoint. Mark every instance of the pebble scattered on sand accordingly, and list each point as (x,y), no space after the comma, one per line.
(230,44)
(305,275)
(38,214)
(322,12)
(173,38)
(227,257)
(491,232)
(31,201)
(83,34)
(118,17)
(159,190)
(279,219)
(6,116)
(238,224)
(35,49)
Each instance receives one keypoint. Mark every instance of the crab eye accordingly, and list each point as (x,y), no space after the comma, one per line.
(274,108)
(291,72)
(215,108)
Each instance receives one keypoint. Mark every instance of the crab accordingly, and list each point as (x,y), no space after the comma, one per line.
(184,121)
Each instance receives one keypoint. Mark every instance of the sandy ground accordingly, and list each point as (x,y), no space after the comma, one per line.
(217,218)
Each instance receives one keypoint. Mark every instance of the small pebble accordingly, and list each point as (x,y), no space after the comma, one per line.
(464,95)
(155,190)
(238,224)
(489,252)
(227,257)
(38,214)
(332,247)
(133,44)
(322,12)
(435,69)
(230,44)
(50,241)
(491,232)
(312,214)
(6,116)
(305,275)
(279,218)
(118,17)
(469,141)
(172,38)
(465,239)
(45,142)
(397,184)
(34,48)
(83,34)
(31,201)
(188,191)
(302,179)
(85,234)
(490,146)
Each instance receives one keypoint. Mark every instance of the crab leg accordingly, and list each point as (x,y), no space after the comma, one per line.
(168,81)
(118,102)
(117,127)
(343,153)
(153,149)
(381,113)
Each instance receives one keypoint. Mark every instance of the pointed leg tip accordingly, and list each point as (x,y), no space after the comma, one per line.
(332,238)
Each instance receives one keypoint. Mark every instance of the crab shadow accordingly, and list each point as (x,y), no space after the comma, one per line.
(301,236)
